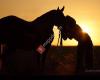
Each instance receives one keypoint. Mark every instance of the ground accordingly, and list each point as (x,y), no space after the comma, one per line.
(59,61)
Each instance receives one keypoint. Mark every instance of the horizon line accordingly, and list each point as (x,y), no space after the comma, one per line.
(70,45)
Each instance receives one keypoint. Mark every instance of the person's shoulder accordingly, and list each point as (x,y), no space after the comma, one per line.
(86,35)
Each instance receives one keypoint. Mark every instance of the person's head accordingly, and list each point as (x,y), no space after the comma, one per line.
(74,32)
(70,24)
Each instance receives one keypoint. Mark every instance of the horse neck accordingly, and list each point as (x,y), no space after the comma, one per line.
(43,25)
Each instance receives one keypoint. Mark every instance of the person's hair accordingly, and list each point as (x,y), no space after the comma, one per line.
(77,28)
(70,21)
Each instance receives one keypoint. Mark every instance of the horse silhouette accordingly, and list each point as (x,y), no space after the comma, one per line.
(17,33)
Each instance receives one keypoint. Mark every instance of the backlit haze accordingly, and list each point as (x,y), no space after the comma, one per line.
(85,12)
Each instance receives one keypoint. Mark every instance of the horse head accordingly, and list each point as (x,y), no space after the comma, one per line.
(59,18)
(60,21)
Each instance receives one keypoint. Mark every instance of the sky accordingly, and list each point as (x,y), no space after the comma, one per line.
(85,12)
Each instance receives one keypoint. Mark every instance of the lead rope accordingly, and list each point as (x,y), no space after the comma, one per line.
(61,43)
(60,39)
(59,48)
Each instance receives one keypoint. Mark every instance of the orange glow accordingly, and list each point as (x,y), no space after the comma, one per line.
(85,28)
(86,13)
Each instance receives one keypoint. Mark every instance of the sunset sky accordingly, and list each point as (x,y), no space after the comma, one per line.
(86,13)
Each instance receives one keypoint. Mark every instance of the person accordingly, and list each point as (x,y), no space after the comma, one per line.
(84,56)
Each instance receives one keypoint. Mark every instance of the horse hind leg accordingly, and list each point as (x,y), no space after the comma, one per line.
(2,60)
(6,61)
(10,61)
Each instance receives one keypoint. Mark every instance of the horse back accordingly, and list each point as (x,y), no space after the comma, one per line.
(13,22)
(13,28)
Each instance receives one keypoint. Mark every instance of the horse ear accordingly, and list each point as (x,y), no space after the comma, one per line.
(62,9)
(58,8)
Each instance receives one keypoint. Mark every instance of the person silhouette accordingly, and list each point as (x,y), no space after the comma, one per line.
(84,55)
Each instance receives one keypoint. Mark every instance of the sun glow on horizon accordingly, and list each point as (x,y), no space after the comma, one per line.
(87,17)
(85,28)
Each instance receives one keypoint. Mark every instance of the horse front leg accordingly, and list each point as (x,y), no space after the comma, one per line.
(41,58)
(7,58)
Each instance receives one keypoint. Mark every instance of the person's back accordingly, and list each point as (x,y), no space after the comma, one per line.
(84,53)
(84,56)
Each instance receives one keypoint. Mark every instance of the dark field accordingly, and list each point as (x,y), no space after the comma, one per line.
(65,60)
(59,61)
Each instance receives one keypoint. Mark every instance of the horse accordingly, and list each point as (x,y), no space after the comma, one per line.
(17,33)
